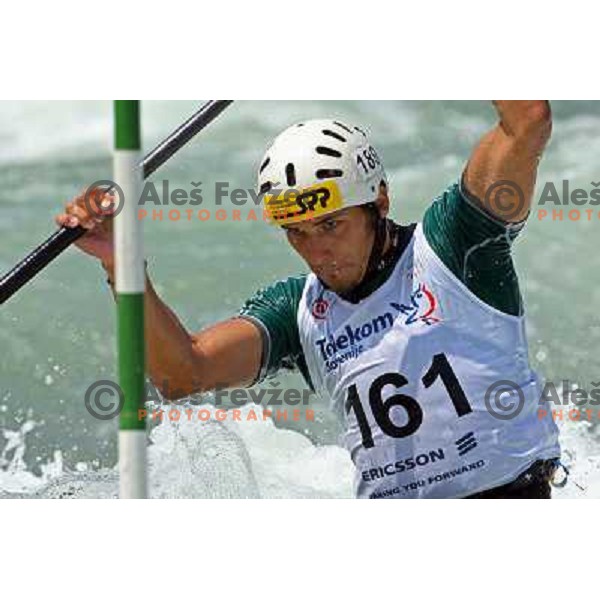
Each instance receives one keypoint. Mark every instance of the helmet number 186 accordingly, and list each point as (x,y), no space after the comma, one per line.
(367,159)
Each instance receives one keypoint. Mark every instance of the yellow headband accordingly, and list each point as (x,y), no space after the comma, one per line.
(294,205)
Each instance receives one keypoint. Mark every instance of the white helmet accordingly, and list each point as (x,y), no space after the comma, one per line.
(318,167)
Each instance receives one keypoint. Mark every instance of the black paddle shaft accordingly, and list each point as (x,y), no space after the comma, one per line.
(46,252)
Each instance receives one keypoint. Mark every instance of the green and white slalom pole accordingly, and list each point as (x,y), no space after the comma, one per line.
(129,286)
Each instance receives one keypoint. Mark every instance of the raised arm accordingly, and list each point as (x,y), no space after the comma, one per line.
(509,153)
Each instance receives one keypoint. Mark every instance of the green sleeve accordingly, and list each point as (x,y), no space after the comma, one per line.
(476,247)
(274,310)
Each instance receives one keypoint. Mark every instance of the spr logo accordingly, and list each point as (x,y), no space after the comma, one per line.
(300,205)
(308,200)
(319,308)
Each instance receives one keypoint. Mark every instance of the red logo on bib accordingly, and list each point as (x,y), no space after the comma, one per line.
(319,308)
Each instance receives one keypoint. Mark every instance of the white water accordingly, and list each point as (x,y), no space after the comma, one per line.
(244,459)
(193,459)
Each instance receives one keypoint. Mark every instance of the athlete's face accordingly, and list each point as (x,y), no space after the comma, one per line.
(337,247)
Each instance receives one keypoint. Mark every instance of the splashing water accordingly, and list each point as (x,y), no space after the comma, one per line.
(243,459)
(191,459)
(14,476)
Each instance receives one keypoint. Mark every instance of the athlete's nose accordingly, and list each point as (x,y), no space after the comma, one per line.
(318,251)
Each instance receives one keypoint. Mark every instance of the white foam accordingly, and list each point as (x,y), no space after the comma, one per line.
(193,459)
(244,459)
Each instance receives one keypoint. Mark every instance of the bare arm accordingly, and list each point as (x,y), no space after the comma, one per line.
(227,354)
(179,363)
(511,153)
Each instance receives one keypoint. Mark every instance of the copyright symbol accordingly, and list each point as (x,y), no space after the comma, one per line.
(106,209)
(100,408)
(504,400)
(496,202)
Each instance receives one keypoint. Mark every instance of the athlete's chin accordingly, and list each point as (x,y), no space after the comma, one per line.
(338,282)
